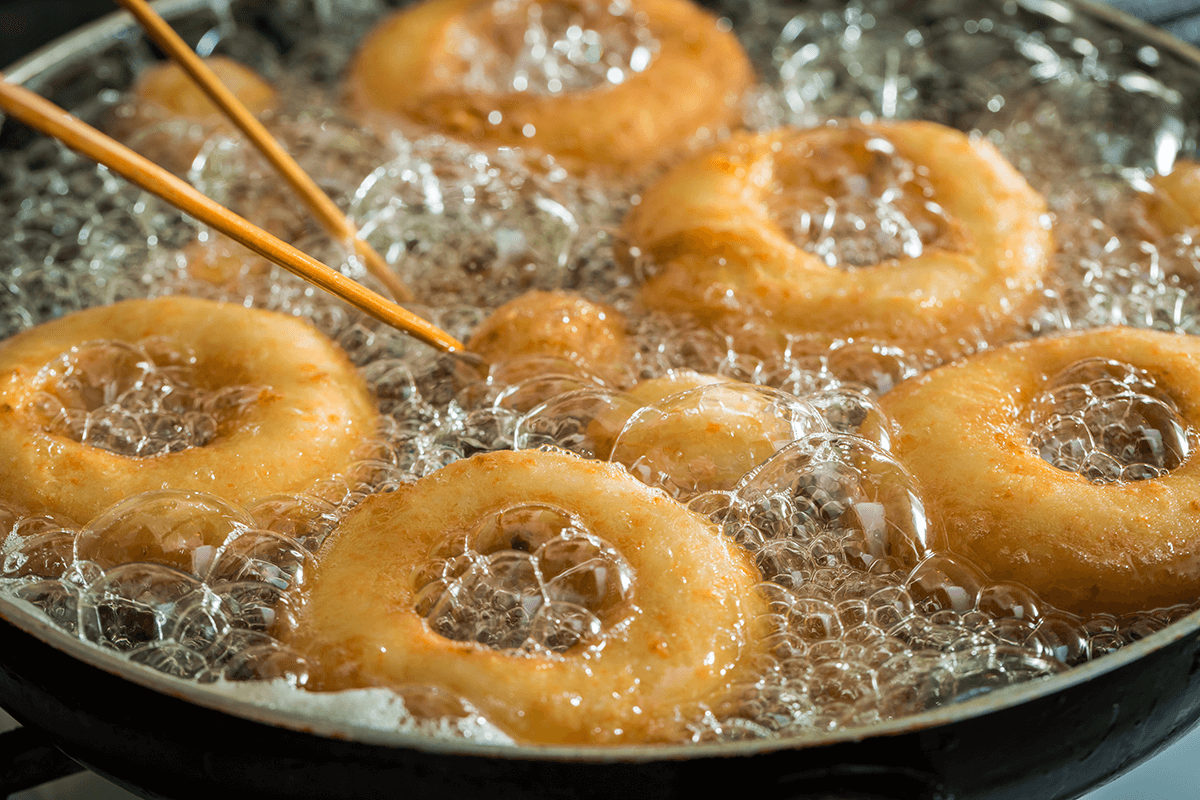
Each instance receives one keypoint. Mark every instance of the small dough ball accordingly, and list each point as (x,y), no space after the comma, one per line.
(537,329)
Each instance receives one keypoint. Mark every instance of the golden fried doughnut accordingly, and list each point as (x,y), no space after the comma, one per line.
(965,436)
(222,262)
(310,408)
(412,66)
(711,231)
(692,593)
(581,336)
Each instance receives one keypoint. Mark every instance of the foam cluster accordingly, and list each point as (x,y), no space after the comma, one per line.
(552,48)
(134,399)
(1108,421)
(529,577)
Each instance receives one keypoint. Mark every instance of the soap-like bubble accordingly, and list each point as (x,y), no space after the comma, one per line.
(706,439)
(169,527)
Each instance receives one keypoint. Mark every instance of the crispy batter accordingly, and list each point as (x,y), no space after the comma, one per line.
(536,328)
(1181,210)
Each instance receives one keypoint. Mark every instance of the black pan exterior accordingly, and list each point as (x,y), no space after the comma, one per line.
(1068,736)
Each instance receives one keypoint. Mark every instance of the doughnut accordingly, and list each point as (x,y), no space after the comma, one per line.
(965,435)
(419,65)
(713,231)
(536,328)
(222,262)
(681,632)
(307,407)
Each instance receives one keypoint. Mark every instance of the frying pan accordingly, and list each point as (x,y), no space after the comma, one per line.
(162,737)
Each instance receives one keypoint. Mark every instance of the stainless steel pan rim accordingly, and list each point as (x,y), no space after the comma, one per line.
(93,37)
(88,39)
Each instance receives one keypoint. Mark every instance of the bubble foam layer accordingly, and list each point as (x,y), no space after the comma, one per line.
(551,48)
(1108,421)
(869,618)
(134,400)
(530,577)
(857,203)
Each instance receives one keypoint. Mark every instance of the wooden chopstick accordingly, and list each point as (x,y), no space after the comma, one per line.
(321,205)
(40,113)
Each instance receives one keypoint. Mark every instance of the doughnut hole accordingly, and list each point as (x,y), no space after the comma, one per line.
(1106,201)
(578,337)
(705,439)
(849,198)
(527,577)
(173,528)
(168,116)
(221,262)
(1108,421)
(833,500)
(168,87)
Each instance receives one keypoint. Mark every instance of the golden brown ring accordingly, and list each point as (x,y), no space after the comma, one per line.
(1085,547)
(408,67)
(693,588)
(311,411)
(708,231)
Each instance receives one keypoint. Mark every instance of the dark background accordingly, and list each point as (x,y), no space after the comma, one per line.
(28,24)
(25,25)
